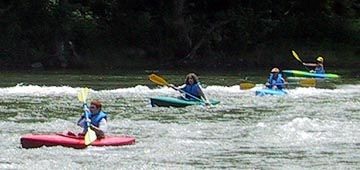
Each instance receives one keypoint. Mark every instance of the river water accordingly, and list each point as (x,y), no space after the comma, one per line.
(309,128)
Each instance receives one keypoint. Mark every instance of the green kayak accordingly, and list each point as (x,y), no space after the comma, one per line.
(298,73)
(163,101)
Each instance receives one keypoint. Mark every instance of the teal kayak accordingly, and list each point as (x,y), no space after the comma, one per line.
(298,73)
(163,101)
(263,92)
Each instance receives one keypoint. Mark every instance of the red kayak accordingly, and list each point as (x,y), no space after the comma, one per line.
(71,140)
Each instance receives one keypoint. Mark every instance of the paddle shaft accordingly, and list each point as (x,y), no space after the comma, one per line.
(90,135)
(182,91)
(301,83)
(87,116)
(160,81)
(84,93)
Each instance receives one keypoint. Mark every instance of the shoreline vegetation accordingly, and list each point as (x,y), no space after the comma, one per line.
(177,34)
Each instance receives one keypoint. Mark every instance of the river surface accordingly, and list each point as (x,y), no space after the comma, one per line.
(309,128)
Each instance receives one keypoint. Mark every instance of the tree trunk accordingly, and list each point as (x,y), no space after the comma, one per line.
(204,38)
(183,41)
(57,53)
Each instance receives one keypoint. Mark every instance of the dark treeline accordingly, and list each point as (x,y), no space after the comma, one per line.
(115,34)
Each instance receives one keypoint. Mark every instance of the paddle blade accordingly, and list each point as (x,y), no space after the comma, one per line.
(83,94)
(158,80)
(308,82)
(246,86)
(296,56)
(90,137)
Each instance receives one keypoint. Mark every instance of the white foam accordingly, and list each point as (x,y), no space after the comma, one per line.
(141,90)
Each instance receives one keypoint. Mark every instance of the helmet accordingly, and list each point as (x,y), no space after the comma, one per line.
(320,59)
(275,70)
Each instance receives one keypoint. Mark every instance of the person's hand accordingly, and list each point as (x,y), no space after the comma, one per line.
(312,71)
(172,86)
(267,84)
(70,133)
(304,63)
(207,103)
(81,134)
(86,109)
(88,120)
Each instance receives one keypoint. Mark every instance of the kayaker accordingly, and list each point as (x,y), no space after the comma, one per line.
(275,80)
(97,119)
(319,65)
(192,87)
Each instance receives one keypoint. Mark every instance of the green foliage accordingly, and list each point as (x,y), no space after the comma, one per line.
(177,32)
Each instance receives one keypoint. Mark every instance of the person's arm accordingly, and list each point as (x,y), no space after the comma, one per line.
(182,87)
(100,131)
(284,83)
(174,87)
(103,125)
(82,120)
(202,95)
(310,64)
(268,83)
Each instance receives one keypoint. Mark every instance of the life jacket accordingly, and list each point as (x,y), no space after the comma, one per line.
(193,90)
(95,119)
(319,69)
(279,82)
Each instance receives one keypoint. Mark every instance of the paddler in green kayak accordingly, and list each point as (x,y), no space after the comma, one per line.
(96,117)
(319,65)
(192,89)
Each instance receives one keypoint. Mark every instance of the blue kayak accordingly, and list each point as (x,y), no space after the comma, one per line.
(163,101)
(263,92)
(298,73)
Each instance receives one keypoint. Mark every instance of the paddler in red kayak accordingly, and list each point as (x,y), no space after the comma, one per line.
(97,119)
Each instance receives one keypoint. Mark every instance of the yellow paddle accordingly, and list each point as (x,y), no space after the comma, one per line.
(160,81)
(246,86)
(90,135)
(308,82)
(304,83)
(298,58)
